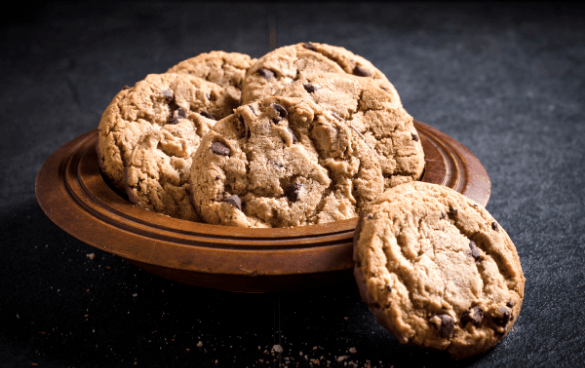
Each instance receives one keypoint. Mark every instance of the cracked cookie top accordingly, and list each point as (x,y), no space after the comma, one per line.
(152,103)
(282,162)
(157,174)
(287,64)
(437,270)
(226,69)
(373,110)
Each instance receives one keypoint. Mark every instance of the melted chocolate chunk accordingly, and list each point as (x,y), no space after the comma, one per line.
(442,216)
(361,72)
(495,226)
(415,137)
(235,201)
(504,316)
(475,251)
(282,113)
(279,165)
(294,137)
(447,325)
(292,192)
(208,115)
(473,315)
(510,304)
(267,74)
(309,88)
(389,288)
(309,46)
(180,113)
(243,128)
(125,87)
(168,94)
(174,121)
(337,116)
(220,149)
(452,212)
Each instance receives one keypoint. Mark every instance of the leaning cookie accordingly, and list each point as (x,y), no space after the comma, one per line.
(157,174)
(149,105)
(282,162)
(373,111)
(287,64)
(437,270)
(226,69)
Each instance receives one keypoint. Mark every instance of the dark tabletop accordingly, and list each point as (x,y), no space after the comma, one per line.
(507,81)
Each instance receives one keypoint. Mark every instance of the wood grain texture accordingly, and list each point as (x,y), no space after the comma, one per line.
(73,194)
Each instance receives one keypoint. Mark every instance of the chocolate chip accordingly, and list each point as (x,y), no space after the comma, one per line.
(389,288)
(495,226)
(415,137)
(180,113)
(174,121)
(361,72)
(267,74)
(294,137)
(208,115)
(475,251)
(473,315)
(510,304)
(452,212)
(504,317)
(309,88)
(292,192)
(235,201)
(252,109)
(282,113)
(370,217)
(385,89)
(447,325)
(168,94)
(125,87)
(220,149)
(244,132)
(309,46)
(217,178)
(279,165)
(337,116)
(442,216)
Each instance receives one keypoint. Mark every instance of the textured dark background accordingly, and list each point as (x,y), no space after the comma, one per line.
(505,80)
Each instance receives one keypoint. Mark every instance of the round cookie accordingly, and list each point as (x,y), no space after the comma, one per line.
(282,162)
(157,174)
(372,110)
(437,270)
(226,69)
(287,64)
(149,105)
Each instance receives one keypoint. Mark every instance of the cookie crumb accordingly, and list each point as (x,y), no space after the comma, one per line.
(352,350)
(277,349)
(200,344)
(90,256)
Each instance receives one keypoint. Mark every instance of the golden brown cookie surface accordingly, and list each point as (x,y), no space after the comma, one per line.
(282,162)
(437,270)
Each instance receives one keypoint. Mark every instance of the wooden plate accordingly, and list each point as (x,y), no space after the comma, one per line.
(71,191)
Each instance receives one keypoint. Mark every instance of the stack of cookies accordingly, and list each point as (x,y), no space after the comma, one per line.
(309,134)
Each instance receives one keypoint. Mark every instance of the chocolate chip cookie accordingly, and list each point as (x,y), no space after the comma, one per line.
(152,103)
(157,174)
(437,270)
(226,69)
(287,64)
(282,162)
(372,110)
